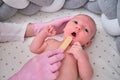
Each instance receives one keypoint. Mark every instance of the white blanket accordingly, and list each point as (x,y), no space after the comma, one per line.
(103,54)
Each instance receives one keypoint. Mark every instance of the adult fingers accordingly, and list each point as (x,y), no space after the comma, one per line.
(56,58)
(55,66)
(55,75)
(54,52)
(65,19)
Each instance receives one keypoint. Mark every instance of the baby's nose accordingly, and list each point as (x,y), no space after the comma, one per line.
(78,27)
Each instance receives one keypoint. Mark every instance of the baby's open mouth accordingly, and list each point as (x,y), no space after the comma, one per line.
(73,34)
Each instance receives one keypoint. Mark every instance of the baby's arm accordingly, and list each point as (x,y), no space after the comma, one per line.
(84,67)
(38,44)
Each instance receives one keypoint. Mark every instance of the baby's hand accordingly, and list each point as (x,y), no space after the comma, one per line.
(50,31)
(76,50)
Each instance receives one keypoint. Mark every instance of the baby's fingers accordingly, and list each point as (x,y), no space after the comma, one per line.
(77,45)
(51,30)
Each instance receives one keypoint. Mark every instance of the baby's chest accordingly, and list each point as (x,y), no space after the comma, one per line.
(55,45)
(52,46)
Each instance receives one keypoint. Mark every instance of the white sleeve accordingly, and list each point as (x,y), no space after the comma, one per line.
(12,32)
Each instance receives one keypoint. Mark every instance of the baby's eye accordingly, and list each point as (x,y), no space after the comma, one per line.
(86,30)
(75,22)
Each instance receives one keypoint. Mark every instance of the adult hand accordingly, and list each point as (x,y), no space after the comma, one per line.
(41,67)
(60,23)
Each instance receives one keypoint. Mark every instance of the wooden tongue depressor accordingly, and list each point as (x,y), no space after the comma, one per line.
(66,43)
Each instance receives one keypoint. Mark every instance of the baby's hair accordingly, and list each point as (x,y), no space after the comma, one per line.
(88,17)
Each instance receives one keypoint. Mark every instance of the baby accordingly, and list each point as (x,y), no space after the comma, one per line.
(82,29)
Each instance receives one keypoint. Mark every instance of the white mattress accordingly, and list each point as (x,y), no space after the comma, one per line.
(103,54)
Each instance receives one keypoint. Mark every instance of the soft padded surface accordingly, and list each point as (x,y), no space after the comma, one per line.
(18,4)
(103,54)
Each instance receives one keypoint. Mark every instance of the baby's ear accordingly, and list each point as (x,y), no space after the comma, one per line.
(88,43)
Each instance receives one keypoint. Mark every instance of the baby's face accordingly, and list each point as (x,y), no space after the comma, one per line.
(81,28)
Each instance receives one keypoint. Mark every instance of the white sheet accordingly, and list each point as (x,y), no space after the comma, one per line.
(103,53)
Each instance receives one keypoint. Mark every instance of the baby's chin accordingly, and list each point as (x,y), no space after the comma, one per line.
(74,41)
